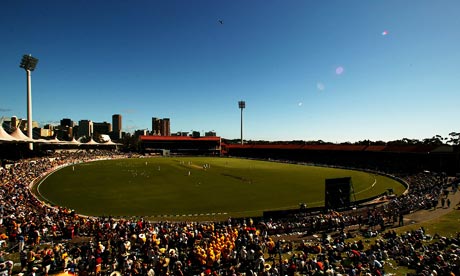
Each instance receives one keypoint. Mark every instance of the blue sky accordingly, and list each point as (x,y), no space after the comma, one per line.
(308,70)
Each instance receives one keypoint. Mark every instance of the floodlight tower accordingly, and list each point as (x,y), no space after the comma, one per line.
(29,63)
(242,105)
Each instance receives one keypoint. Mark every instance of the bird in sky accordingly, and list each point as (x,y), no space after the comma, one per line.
(221,21)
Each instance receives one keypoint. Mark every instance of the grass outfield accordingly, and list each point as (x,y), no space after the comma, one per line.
(160,186)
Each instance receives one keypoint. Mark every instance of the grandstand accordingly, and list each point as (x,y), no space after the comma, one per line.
(73,233)
(416,164)
(14,144)
(411,158)
(208,145)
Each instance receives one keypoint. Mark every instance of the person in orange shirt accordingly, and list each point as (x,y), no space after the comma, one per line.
(271,248)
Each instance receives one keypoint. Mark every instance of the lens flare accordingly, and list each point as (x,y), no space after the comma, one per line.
(320,86)
(339,70)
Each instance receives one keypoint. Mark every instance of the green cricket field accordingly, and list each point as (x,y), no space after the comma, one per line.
(197,187)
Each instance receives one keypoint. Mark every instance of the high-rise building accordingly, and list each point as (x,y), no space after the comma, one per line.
(23,125)
(14,123)
(165,130)
(180,133)
(116,127)
(141,132)
(66,122)
(85,128)
(45,131)
(102,128)
(65,130)
(155,126)
(161,127)
(10,125)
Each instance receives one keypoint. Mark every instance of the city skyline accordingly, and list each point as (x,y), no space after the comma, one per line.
(162,128)
(307,70)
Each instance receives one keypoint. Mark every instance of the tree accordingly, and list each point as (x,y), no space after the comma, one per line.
(454,138)
(131,143)
(435,140)
(404,142)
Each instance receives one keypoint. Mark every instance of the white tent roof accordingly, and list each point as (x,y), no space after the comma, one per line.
(112,143)
(54,140)
(17,133)
(4,136)
(91,142)
(74,141)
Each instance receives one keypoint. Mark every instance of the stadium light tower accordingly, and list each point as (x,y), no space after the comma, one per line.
(242,105)
(29,63)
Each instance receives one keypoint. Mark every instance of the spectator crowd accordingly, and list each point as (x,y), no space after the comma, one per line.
(50,239)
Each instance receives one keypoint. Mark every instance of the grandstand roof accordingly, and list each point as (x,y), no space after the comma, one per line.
(54,140)
(4,136)
(91,142)
(410,148)
(276,146)
(110,142)
(19,136)
(299,147)
(339,147)
(443,148)
(346,147)
(178,138)
(74,141)
(375,148)
(17,133)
